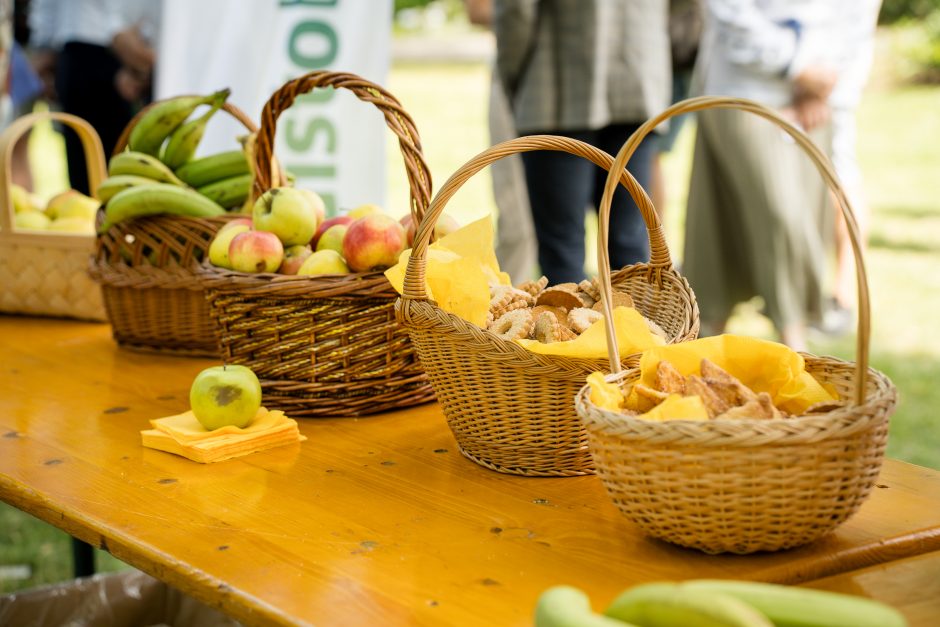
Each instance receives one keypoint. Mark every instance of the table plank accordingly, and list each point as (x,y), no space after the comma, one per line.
(911,585)
(378,518)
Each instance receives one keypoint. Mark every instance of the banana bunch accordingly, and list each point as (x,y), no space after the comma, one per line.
(158,173)
(715,603)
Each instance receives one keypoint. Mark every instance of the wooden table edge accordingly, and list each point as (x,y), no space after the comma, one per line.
(194,582)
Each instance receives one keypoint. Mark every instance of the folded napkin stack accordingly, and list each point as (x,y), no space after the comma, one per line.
(183,435)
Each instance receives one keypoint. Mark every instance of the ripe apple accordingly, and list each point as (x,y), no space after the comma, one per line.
(327,224)
(225,395)
(72,224)
(294,257)
(324,261)
(218,249)
(22,199)
(332,238)
(72,204)
(287,212)
(255,251)
(364,210)
(373,242)
(445,225)
(318,205)
(35,220)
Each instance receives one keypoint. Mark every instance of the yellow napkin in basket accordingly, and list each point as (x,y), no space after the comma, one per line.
(761,365)
(459,269)
(633,336)
(183,435)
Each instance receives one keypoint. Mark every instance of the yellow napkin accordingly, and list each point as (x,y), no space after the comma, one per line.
(603,394)
(183,435)
(633,336)
(677,407)
(458,272)
(761,365)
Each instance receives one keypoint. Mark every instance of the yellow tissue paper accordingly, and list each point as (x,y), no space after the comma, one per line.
(761,365)
(677,407)
(603,394)
(633,336)
(459,269)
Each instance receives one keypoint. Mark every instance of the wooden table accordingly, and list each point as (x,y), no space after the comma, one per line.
(376,520)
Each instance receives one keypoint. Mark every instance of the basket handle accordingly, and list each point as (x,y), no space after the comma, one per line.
(91,143)
(228,107)
(819,159)
(396,118)
(415,272)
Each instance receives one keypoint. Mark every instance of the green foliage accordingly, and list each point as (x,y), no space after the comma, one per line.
(411,4)
(893,11)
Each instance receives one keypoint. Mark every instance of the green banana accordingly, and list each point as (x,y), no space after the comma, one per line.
(163,118)
(141,164)
(565,606)
(156,199)
(789,606)
(183,142)
(117,183)
(670,605)
(205,170)
(228,192)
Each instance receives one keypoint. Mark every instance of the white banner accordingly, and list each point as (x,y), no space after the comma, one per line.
(332,142)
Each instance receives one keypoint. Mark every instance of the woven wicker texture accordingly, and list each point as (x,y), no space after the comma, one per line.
(511,410)
(324,345)
(45,273)
(147,270)
(749,485)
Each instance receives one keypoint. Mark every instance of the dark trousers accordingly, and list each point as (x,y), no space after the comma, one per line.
(561,187)
(85,84)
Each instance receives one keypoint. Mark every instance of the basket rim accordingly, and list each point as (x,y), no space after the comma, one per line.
(214,277)
(715,433)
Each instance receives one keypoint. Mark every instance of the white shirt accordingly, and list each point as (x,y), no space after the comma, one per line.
(55,22)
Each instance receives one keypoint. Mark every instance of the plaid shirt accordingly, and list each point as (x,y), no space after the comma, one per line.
(583,64)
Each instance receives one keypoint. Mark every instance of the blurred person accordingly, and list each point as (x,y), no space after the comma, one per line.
(685,31)
(757,213)
(592,70)
(97,60)
(859,33)
(21,87)
(515,235)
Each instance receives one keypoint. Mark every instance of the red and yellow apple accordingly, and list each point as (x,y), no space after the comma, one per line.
(218,249)
(326,225)
(294,258)
(373,242)
(255,251)
(325,261)
(445,225)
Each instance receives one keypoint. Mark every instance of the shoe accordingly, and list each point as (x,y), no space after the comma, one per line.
(836,320)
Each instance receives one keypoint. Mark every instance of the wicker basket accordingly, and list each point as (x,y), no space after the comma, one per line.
(323,345)
(46,273)
(749,485)
(510,409)
(147,271)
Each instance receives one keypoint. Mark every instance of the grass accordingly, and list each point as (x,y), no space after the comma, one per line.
(898,155)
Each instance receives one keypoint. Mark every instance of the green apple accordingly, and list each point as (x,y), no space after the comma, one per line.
(35,220)
(332,238)
(225,395)
(324,261)
(218,249)
(72,204)
(318,205)
(72,224)
(22,199)
(287,212)
(364,210)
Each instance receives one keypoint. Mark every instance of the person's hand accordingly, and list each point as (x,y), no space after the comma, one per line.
(811,113)
(129,85)
(814,81)
(133,51)
(44,63)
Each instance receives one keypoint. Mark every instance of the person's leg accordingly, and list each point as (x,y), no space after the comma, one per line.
(559,186)
(85,83)
(628,241)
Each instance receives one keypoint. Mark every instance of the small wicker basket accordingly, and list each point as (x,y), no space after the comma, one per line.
(510,409)
(323,345)
(146,268)
(742,486)
(45,273)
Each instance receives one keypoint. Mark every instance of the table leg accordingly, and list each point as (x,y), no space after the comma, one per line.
(83,558)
